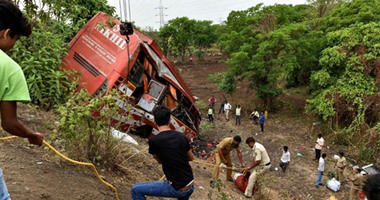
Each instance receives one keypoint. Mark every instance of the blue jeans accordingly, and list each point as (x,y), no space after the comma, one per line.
(159,189)
(319,178)
(4,194)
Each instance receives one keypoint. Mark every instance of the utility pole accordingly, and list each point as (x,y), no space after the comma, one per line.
(161,9)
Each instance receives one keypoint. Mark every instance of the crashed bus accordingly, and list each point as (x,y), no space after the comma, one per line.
(136,67)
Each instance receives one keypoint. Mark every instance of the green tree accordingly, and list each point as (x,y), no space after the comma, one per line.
(176,36)
(269,49)
(346,89)
(351,12)
(321,8)
(204,35)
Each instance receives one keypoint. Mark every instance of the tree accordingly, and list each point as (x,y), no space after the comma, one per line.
(321,8)
(266,45)
(349,92)
(204,35)
(176,36)
(351,12)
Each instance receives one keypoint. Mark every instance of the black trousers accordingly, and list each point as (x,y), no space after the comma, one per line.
(262,127)
(317,153)
(237,120)
(211,118)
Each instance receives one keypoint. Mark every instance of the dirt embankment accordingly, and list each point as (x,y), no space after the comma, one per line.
(36,173)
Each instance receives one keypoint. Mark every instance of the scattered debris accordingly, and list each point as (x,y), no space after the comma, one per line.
(371,169)
(123,136)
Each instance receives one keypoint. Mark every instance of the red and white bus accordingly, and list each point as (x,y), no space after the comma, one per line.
(138,69)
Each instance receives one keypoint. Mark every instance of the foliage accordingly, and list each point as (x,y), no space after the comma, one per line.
(40,57)
(181,33)
(203,36)
(321,8)
(330,47)
(272,51)
(55,23)
(352,12)
(207,126)
(176,36)
(201,104)
(217,193)
(366,154)
(225,81)
(348,80)
(85,127)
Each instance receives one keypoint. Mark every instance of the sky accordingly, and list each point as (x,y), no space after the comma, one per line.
(145,13)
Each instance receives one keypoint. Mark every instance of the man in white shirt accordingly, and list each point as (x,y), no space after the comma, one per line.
(318,146)
(260,164)
(238,115)
(285,159)
(227,108)
(321,169)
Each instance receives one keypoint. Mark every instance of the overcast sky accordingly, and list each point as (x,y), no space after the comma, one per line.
(145,13)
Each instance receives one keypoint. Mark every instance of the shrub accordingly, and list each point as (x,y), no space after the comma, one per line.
(85,127)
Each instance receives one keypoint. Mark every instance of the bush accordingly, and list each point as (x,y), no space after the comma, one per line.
(85,127)
(366,154)
(40,57)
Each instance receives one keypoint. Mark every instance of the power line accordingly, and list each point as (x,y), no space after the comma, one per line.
(161,9)
(129,9)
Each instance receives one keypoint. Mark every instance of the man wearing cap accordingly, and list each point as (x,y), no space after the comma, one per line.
(356,182)
(340,166)
(260,164)
(223,155)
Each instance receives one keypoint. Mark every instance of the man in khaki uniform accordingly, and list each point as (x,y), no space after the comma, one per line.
(357,180)
(223,155)
(340,166)
(260,164)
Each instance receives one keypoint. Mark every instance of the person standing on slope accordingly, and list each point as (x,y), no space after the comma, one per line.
(285,159)
(321,169)
(262,121)
(318,146)
(238,115)
(227,108)
(13,87)
(340,166)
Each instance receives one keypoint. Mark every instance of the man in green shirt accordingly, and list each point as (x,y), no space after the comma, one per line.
(13,86)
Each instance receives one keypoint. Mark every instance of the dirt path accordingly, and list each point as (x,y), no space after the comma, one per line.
(35,173)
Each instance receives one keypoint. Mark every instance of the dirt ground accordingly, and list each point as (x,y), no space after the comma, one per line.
(36,173)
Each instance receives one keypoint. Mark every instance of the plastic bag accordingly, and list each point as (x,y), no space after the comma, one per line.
(333,185)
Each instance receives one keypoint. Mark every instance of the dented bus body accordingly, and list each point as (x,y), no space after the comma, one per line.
(138,69)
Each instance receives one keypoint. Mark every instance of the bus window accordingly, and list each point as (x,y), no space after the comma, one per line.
(135,74)
(154,96)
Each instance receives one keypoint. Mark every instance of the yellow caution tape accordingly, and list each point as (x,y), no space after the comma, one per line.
(75,162)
